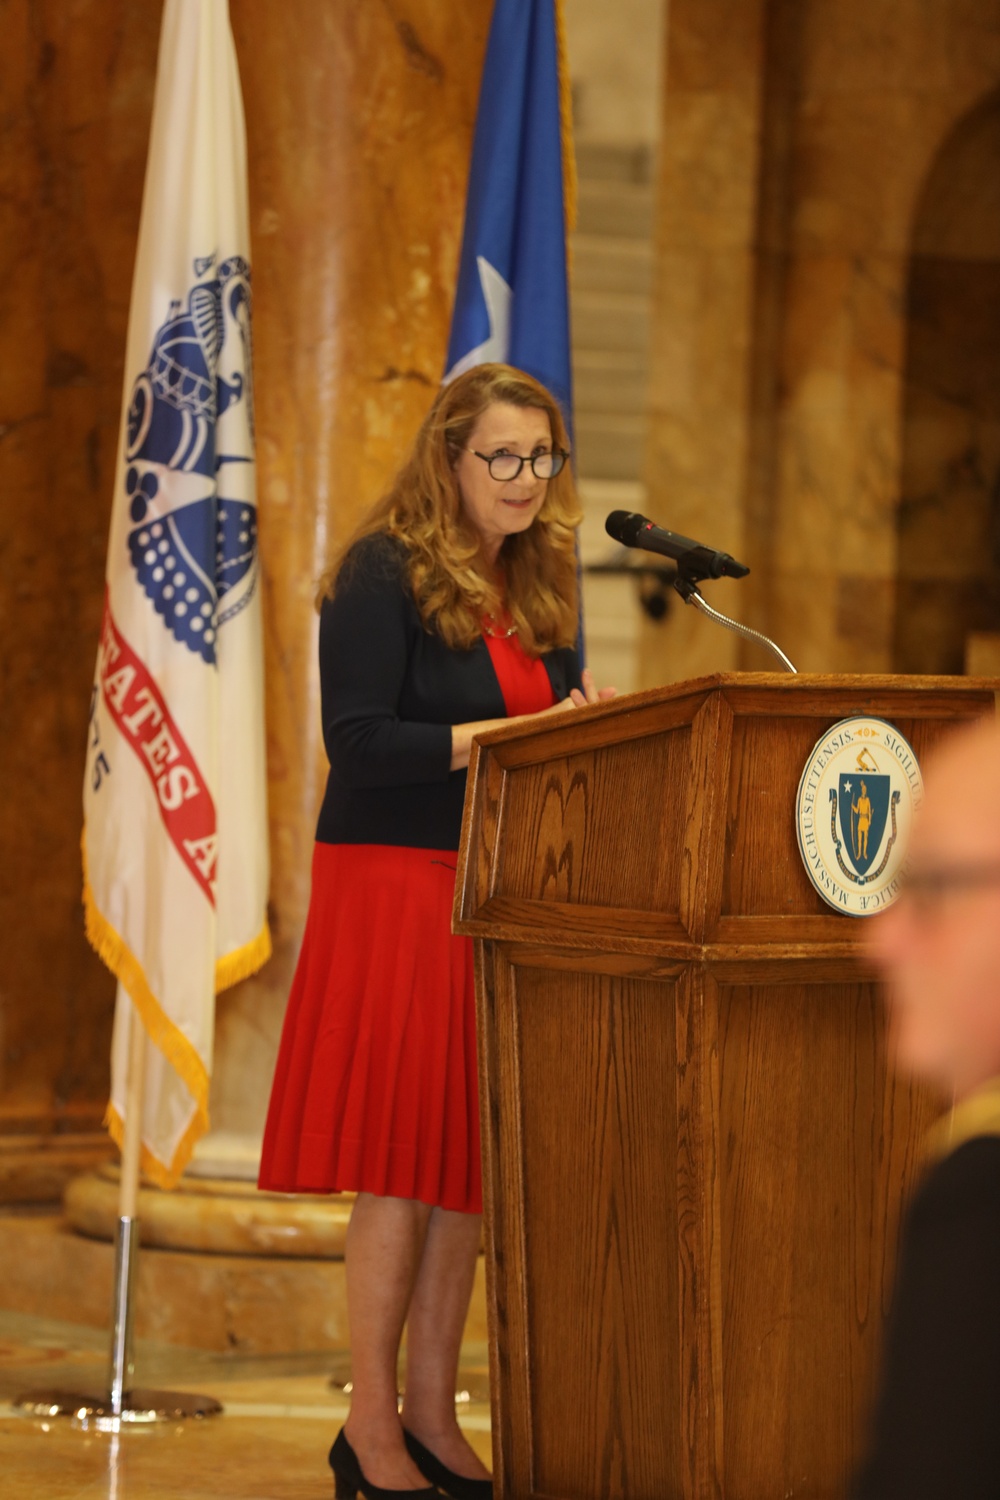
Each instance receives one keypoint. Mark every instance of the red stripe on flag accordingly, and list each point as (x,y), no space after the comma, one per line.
(140,712)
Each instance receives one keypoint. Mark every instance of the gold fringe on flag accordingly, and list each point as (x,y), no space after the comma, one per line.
(152,1167)
(243,962)
(566,120)
(111,947)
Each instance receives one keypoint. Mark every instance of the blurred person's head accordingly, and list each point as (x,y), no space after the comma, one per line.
(939,945)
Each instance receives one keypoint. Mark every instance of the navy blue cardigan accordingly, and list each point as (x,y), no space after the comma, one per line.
(390,693)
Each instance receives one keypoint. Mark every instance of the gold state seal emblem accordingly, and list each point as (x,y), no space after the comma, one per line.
(855,803)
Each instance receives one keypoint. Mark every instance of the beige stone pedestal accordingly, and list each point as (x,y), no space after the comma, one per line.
(221,1265)
(216,1215)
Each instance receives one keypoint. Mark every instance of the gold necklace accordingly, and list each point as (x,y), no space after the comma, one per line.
(498,635)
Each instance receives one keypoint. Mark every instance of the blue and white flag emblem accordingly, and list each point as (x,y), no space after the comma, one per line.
(194,542)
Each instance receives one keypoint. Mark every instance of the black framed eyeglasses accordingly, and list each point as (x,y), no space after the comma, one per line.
(507,466)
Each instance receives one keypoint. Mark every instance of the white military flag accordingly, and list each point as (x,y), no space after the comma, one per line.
(175,815)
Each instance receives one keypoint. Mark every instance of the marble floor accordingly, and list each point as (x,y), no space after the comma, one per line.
(280,1415)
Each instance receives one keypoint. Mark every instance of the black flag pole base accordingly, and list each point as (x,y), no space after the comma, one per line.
(138,1408)
(121,1406)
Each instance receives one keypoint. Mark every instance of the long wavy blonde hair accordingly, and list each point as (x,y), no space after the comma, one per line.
(454,584)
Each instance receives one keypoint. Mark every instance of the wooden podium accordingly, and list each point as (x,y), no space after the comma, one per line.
(694,1154)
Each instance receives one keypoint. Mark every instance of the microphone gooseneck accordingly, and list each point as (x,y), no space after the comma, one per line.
(694,563)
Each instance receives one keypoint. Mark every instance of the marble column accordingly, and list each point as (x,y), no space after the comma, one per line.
(76,86)
(698,435)
(359,122)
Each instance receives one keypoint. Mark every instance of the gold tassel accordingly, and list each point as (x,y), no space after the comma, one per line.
(113,951)
(566,120)
(162,1174)
(171,1041)
(243,962)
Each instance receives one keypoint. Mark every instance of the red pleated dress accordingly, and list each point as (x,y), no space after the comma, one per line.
(376,1085)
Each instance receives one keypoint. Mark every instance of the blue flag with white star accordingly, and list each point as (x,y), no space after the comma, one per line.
(511,303)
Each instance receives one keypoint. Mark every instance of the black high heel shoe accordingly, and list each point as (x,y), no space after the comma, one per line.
(348,1477)
(455,1485)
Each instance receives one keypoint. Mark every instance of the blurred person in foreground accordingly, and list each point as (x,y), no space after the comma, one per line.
(936,1432)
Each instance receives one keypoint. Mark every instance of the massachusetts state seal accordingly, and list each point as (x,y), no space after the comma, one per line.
(855,803)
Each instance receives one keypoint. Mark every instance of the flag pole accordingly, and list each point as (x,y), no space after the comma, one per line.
(158,694)
(127,1233)
(121,1405)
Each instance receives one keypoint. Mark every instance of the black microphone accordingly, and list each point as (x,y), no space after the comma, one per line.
(693,560)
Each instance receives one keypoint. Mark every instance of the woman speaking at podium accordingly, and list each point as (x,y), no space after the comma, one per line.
(452,609)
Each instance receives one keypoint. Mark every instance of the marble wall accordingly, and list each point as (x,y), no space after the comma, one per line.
(615,63)
(76,104)
(699,403)
(798,139)
(948,568)
(359,122)
(815,275)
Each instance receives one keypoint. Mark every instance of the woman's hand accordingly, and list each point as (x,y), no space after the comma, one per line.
(578,698)
(462,735)
(590,693)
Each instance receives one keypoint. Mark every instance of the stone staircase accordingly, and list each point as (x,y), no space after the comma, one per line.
(610,308)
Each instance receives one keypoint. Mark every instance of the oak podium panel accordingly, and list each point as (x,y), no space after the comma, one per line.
(695,1155)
